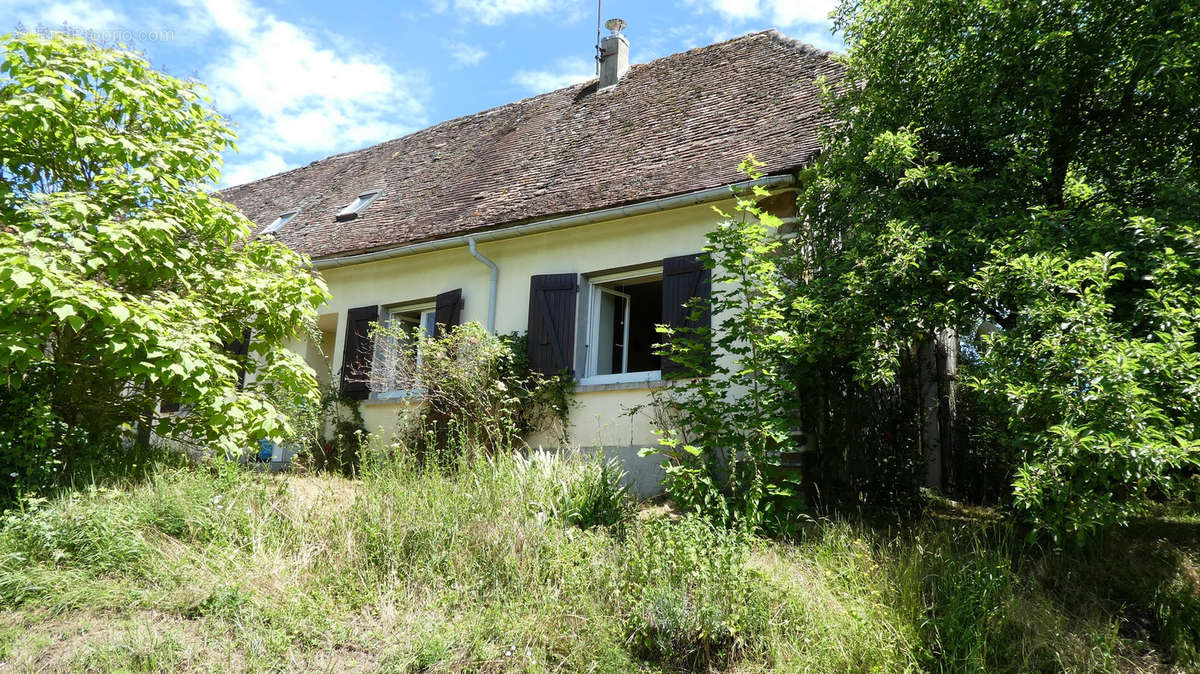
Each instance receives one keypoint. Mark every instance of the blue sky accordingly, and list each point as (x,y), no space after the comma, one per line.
(303,80)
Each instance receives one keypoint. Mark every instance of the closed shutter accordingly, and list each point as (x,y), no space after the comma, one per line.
(357,352)
(238,349)
(448,311)
(685,277)
(551,336)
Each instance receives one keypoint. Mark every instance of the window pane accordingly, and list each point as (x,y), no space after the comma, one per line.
(604,333)
(620,304)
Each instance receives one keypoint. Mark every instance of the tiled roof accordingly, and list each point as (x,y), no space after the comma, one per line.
(674,125)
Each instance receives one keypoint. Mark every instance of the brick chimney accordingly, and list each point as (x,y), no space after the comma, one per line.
(614,54)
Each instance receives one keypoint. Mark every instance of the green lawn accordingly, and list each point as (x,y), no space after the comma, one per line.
(220,569)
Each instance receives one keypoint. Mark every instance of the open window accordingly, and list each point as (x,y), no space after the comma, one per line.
(617,334)
(352,209)
(398,357)
(623,312)
(278,223)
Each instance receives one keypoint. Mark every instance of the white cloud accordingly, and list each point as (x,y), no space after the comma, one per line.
(567,72)
(782,13)
(823,39)
(77,14)
(494,12)
(239,172)
(792,13)
(465,54)
(290,92)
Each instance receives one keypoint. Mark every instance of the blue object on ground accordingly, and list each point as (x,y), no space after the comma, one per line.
(266,450)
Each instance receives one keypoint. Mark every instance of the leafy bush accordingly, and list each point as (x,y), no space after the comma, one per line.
(1034,171)
(598,497)
(690,597)
(470,391)
(36,444)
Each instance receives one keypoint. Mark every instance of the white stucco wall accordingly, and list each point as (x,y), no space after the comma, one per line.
(600,419)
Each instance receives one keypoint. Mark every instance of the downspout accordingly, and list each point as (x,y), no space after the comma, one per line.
(493,284)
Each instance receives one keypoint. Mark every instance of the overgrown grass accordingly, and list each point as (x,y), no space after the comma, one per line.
(482,569)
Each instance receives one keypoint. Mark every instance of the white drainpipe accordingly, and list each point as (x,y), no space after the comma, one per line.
(493,284)
(640,208)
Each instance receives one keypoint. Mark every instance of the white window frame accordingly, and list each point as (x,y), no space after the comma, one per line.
(278,223)
(357,205)
(428,314)
(596,289)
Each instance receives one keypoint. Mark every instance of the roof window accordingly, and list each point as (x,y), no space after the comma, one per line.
(355,207)
(279,222)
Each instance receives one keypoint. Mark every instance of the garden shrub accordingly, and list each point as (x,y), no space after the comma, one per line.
(1032,177)
(470,392)
(691,600)
(597,497)
(725,426)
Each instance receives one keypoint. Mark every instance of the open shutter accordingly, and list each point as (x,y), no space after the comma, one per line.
(357,353)
(448,311)
(685,277)
(551,337)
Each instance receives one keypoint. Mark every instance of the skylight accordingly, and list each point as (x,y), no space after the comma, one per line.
(355,207)
(279,222)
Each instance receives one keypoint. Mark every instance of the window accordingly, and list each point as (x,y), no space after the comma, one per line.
(623,312)
(279,222)
(605,330)
(412,321)
(360,202)
(415,320)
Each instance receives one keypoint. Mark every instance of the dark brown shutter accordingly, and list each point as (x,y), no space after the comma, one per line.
(685,277)
(238,349)
(448,311)
(551,336)
(356,351)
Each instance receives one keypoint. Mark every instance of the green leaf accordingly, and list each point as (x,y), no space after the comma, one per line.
(21,278)
(63,311)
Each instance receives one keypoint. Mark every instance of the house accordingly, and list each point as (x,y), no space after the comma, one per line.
(575,215)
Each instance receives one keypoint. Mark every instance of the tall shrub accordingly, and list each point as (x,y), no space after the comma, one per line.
(468,391)
(725,424)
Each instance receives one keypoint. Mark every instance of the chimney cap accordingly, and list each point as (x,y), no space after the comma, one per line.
(615,25)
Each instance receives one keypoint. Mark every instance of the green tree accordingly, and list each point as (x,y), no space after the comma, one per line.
(121,274)
(723,432)
(1032,165)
